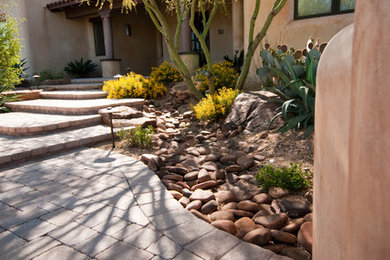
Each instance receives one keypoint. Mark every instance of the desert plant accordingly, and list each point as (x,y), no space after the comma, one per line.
(10,47)
(4,98)
(237,60)
(137,137)
(294,81)
(215,106)
(224,76)
(80,68)
(133,85)
(50,75)
(165,73)
(292,178)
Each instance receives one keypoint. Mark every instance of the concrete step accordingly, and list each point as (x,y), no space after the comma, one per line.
(14,149)
(24,124)
(76,94)
(71,107)
(89,80)
(81,86)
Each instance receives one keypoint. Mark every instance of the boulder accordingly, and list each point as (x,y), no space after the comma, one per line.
(244,225)
(275,221)
(305,236)
(294,207)
(283,237)
(196,204)
(252,111)
(222,215)
(248,205)
(120,112)
(209,207)
(202,195)
(225,196)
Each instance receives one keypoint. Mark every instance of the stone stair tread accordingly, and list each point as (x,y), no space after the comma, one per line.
(81,86)
(21,123)
(74,94)
(89,80)
(22,148)
(71,106)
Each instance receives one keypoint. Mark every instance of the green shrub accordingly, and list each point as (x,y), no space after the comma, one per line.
(293,79)
(215,106)
(10,47)
(292,178)
(165,73)
(50,75)
(133,85)
(80,68)
(137,137)
(224,76)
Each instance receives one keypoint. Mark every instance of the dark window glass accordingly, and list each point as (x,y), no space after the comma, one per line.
(314,8)
(99,38)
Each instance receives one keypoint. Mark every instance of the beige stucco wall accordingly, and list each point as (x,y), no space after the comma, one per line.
(138,51)
(49,39)
(286,30)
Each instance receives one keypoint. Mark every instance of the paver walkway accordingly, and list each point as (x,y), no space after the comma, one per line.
(96,204)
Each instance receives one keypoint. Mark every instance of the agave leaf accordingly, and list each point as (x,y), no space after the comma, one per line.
(263,72)
(280,74)
(273,119)
(285,107)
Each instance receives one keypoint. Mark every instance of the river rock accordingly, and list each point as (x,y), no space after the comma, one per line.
(204,185)
(295,253)
(222,215)
(294,207)
(277,192)
(225,225)
(305,236)
(245,162)
(294,225)
(191,176)
(203,176)
(259,236)
(202,195)
(200,215)
(283,237)
(196,204)
(262,198)
(209,207)
(248,205)
(275,221)
(225,196)
(177,195)
(230,205)
(184,201)
(244,225)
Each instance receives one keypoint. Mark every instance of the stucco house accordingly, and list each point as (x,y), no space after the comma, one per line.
(58,31)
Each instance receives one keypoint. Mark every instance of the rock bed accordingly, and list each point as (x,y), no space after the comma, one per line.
(211,173)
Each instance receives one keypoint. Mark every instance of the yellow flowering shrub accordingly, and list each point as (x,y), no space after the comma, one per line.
(224,76)
(133,85)
(165,73)
(215,106)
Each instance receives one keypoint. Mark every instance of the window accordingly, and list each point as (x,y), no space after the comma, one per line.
(315,8)
(99,37)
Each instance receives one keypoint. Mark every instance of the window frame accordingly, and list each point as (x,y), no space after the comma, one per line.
(334,11)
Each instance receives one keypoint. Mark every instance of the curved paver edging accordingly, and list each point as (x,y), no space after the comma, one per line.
(92,203)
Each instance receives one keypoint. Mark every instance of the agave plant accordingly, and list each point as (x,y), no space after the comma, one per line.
(6,98)
(293,79)
(237,60)
(80,68)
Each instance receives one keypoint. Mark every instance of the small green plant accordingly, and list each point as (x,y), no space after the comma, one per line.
(215,106)
(165,73)
(292,178)
(80,68)
(50,75)
(137,137)
(237,60)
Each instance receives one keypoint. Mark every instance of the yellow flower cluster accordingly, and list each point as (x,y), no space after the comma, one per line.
(165,73)
(134,85)
(215,106)
(224,76)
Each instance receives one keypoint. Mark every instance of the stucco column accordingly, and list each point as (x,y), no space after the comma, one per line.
(186,36)
(238,25)
(352,146)
(107,30)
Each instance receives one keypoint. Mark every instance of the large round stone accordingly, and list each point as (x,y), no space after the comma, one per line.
(248,205)
(225,225)
(244,225)
(283,237)
(196,204)
(260,236)
(222,215)
(204,185)
(275,221)
(209,207)
(262,198)
(202,195)
(225,196)
(305,236)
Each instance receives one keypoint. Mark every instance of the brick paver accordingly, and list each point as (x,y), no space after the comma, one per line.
(94,204)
